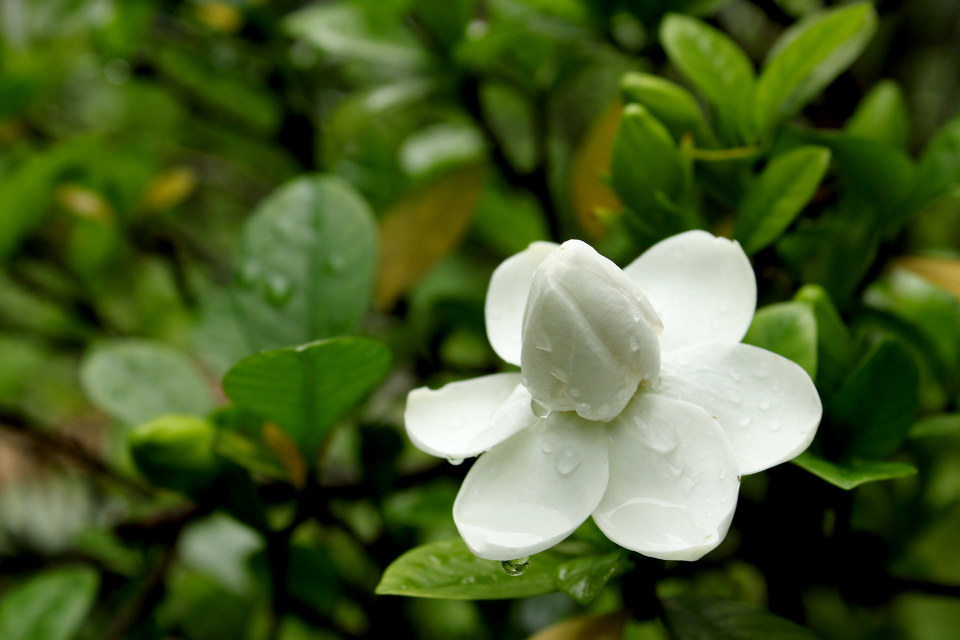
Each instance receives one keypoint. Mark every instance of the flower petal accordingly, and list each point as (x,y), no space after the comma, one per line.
(589,335)
(767,404)
(465,418)
(507,298)
(533,490)
(702,286)
(673,480)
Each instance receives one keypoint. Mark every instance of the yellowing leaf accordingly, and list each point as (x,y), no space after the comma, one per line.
(589,191)
(83,202)
(943,272)
(422,228)
(604,627)
(220,16)
(285,451)
(170,188)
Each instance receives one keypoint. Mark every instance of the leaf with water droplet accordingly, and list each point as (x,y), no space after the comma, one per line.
(516,567)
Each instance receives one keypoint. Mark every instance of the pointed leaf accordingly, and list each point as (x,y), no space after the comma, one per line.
(788,329)
(852,473)
(49,606)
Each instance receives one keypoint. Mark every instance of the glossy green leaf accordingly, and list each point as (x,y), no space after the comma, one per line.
(713,63)
(306,265)
(447,569)
(583,578)
(704,618)
(835,347)
(304,389)
(882,116)
(49,606)
(512,120)
(788,329)
(137,380)
(945,424)
(940,163)
(807,58)
(784,188)
(853,473)
(669,103)
(176,452)
(876,405)
(647,168)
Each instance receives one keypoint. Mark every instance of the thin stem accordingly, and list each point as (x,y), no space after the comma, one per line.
(722,155)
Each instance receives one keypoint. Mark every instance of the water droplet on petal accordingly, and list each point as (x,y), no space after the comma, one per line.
(744,421)
(765,404)
(515,567)
(538,409)
(550,443)
(568,460)
(455,461)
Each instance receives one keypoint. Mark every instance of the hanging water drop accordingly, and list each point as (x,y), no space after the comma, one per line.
(455,461)
(567,461)
(538,409)
(278,289)
(515,567)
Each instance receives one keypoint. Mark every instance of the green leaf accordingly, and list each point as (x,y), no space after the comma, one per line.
(853,473)
(835,348)
(882,116)
(945,424)
(582,579)
(49,606)
(306,265)
(513,123)
(304,389)
(669,103)
(788,329)
(713,63)
(702,618)
(447,569)
(136,381)
(176,452)
(876,405)
(807,58)
(787,184)
(646,167)
(940,163)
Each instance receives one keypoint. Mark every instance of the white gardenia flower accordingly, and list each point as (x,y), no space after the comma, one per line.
(636,402)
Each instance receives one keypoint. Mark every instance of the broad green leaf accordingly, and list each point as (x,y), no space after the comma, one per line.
(306,264)
(607,626)
(876,405)
(669,103)
(945,424)
(439,148)
(420,229)
(703,618)
(344,30)
(49,606)
(788,329)
(853,473)
(882,116)
(807,58)
(512,120)
(939,171)
(583,578)
(784,188)
(175,452)
(835,347)
(713,63)
(304,389)
(447,569)
(135,381)
(647,168)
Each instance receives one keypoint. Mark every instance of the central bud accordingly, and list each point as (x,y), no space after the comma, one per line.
(589,335)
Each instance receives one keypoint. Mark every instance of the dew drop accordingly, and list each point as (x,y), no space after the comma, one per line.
(248,273)
(515,567)
(455,461)
(765,405)
(538,409)
(744,421)
(574,393)
(568,460)
(550,443)
(334,263)
(278,289)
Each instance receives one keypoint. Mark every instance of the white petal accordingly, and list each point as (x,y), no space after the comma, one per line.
(589,335)
(465,418)
(673,480)
(703,287)
(533,490)
(767,404)
(507,298)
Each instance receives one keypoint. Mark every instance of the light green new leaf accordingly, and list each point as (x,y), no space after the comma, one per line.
(787,184)
(807,58)
(307,263)
(882,116)
(877,402)
(940,164)
(713,63)
(583,578)
(788,329)
(646,167)
(702,618)
(853,473)
(49,606)
(669,103)
(138,380)
(304,389)
(447,569)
